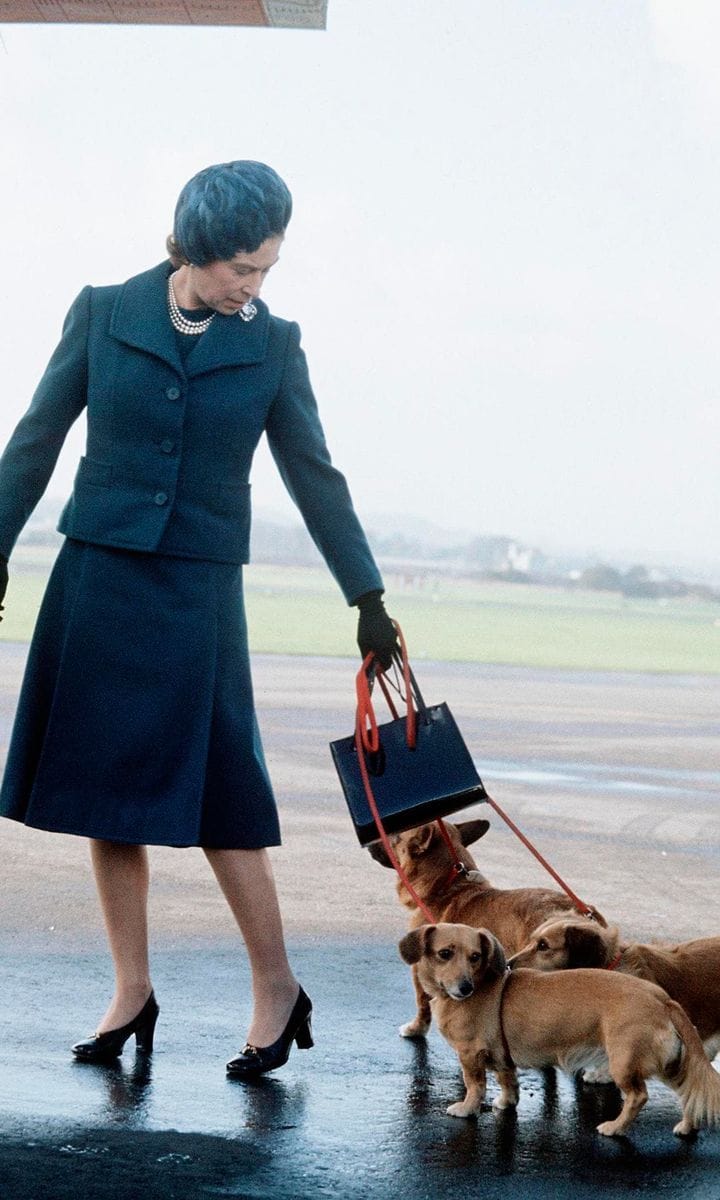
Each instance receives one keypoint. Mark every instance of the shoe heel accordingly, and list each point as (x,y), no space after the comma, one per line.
(144,1039)
(145,1033)
(104,1047)
(303,1037)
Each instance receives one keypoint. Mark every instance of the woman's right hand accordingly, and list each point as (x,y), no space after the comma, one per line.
(3,582)
(376,632)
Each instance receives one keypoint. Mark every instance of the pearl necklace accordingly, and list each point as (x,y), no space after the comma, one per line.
(181,323)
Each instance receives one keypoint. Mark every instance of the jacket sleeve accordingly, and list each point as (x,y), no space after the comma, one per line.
(30,456)
(319,490)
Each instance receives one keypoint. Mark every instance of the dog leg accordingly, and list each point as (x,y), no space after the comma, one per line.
(475,1080)
(685,1128)
(634,1098)
(420,1024)
(509,1091)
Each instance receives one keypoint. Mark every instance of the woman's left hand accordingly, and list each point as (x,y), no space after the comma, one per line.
(376,633)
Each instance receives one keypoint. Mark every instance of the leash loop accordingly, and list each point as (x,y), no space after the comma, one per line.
(367,740)
(364,680)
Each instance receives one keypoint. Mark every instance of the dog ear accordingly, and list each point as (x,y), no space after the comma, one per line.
(494,961)
(377,851)
(416,943)
(420,840)
(472,831)
(585,946)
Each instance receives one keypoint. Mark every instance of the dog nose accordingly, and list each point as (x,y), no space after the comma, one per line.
(465,987)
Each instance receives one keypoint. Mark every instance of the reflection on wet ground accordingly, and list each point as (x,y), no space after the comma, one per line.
(360,1115)
(127,1087)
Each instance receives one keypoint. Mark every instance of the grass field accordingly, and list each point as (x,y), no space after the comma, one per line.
(295,610)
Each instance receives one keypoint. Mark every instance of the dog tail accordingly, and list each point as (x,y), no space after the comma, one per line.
(692,1076)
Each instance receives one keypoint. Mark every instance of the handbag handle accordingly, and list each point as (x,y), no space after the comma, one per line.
(366,719)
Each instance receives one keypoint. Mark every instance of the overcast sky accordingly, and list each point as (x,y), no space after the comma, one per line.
(504,256)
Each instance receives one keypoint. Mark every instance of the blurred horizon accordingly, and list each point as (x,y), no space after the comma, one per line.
(421,533)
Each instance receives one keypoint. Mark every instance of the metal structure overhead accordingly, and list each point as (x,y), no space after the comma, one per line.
(287,14)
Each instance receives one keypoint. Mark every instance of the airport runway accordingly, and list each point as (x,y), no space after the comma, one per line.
(617,779)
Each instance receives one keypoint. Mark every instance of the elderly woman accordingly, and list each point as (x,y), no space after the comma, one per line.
(136,722)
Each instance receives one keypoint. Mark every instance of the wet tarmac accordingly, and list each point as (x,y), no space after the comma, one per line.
(617,778)
(362,1114)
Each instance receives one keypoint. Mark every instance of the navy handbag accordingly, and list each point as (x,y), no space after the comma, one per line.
(412,769)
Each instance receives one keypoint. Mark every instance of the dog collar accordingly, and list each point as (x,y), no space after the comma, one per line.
(457,870)
(612,966)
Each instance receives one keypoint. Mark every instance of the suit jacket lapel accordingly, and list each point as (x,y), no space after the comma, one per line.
(230,342)
(140,318)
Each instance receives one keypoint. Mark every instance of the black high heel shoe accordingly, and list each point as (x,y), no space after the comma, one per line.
(104,1047)
(256,1060)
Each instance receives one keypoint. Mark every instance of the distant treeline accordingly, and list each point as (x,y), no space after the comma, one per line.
(639,582)
(492,557)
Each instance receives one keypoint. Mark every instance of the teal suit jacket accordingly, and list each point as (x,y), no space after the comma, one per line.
(170,444)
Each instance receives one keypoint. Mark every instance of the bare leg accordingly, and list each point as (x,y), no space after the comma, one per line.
(122,877)
(246,879)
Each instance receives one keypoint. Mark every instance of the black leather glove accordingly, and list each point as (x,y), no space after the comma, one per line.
(376,632)
(3,582)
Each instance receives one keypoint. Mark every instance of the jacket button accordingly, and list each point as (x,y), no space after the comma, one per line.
(160,498)
(173,393)
(167,446)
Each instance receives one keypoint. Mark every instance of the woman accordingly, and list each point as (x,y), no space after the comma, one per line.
(135,723)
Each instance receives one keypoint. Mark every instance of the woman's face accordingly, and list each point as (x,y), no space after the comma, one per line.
(227,285)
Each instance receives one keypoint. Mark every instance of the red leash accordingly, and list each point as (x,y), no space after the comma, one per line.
(367,740)
(581,906)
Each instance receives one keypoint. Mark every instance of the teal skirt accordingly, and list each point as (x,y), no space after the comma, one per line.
(136,721)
